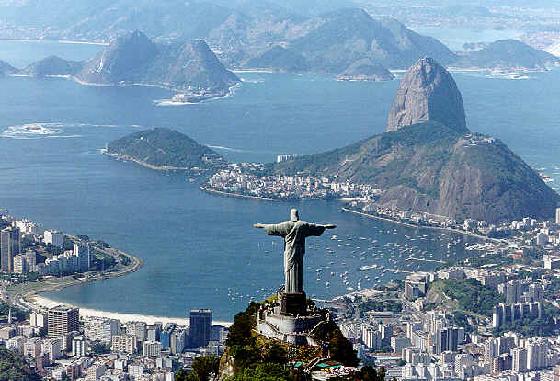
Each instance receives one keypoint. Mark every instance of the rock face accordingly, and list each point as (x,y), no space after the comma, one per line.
(135,59)
(427,93)
(428,160)
(52,65)
(433,168)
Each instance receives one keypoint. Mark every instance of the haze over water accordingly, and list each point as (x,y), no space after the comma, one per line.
(200,250)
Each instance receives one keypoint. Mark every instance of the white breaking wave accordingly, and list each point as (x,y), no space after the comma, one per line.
(31,131)
(230,149)
(41,130)
(171,103)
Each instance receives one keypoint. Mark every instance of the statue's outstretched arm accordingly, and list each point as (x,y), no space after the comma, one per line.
(275,229)
(330,226)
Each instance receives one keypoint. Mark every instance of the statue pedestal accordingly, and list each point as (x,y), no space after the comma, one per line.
(295,330)
(293,303)
(291,321)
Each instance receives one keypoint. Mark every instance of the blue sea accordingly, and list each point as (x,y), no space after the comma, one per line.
(200,250)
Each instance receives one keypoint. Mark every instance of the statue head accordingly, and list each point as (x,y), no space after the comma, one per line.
(294,215)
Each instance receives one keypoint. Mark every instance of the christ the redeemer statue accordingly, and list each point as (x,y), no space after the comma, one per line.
(294,233)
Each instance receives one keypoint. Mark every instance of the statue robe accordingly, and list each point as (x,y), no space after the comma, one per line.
(294,234)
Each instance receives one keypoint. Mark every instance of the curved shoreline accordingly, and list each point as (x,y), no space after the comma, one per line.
(456,231)
(235,195)
(27,295)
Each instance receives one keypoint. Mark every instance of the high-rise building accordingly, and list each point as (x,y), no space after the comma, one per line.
(20,265)
(62,320)
(9,248)
(138,329)
(32,347)
(448,339)
(557,219)
(54,238)
(124,344)
(78,346)
(509,313)
(101,329)
(519,361)
(151,349)
(536,353)
(52,348)
(81,250)
(153,331)
(200,328)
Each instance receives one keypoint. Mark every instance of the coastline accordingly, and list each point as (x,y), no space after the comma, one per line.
(27,295)
(144,164)
(479,236)
(75,42)
(160,102)
(234,195)
(45,302)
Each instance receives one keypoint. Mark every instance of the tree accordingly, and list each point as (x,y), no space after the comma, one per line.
(368,373)
(99,348)
(341,349)
(205,366)
(13,367)
(263,372)
(275,354)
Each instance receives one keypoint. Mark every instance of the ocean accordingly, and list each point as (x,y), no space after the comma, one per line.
(200,250)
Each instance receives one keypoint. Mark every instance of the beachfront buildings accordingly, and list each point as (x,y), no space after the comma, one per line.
(200,328)
(9,248)
(61,320)
(54,238)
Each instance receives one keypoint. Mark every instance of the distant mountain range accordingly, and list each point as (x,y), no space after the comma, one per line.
(189,68)
(429,161)
(324,36)
(426,161)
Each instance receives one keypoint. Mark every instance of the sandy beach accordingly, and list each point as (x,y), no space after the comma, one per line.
(43,302)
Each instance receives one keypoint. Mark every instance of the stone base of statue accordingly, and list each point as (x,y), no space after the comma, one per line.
(290,320)
(293,303)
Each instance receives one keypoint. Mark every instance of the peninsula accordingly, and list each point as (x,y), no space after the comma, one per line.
(50,260)
(427,162)
(166,150)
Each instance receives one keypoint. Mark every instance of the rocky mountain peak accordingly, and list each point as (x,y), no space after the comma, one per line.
(427,92)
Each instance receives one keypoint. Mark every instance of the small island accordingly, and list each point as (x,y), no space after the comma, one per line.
(366,70)
(163,149)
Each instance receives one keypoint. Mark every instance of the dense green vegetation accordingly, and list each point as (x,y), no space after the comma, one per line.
(264,372)
(14,368)
(101,261)
(257,358)
(203,369)
(433,168)
(162,147)
(100,348)
(390,305)
(17,313)
(471,295)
